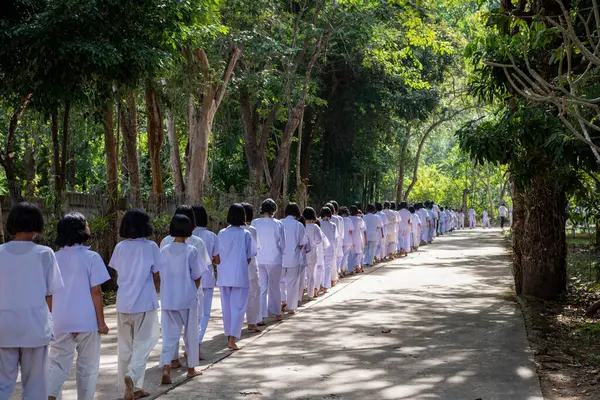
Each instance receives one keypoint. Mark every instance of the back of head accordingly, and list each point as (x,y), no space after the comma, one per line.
(309,214)
(331,207)
(236,215)
(378,206)
(292,209)
(71,230)
(188,211)
(268,207)
(370,208)
(326,212)
(411,210)
(25,217)
(201,216)
(403,205)
(135,225)
(336,206)
(392,205)
(353,211)
(249,210)
(344,212)
(386,205)
(180,226)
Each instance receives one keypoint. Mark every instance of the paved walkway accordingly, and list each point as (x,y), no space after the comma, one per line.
(440,324)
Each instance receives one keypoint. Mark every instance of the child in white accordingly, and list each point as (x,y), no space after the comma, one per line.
(320,259)
(271,236)
(137,261)
(416,227)
(330,230)
(295,239)
(391,230)
(359,239)
(472,221)
(374,234)
(29,277)
(77,310)
(382,245)
(236,249)
(253,315)
(339,252)
(314,235)
(405,229)
(179,283)
(348,239)
(486,220)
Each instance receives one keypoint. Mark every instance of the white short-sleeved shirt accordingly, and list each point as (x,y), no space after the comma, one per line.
(373,225)
(195,241)
(72,307)
(358,238)
(211,242)
(272,239)
(253,266)
(384,220)
(348,232)
(485,214)
(28,273)
(339,222)
(436,211)
(295,236)
(502,211)
(314,234)
(330,230)
(183,266)
(392,221)
(136,260)
(471,213)
(235,248)
(416,222)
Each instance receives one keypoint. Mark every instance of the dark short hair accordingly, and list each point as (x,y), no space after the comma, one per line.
(302,220)
(403,205)
(392,205)
(344,211)
(411,209)
(181,226)
(188,211)
(292,209)
(331,207)
(25,217)
(71,230)
(135,224)
(386,205)
(378,206)
(335,205)
(371,208)
(353,210)
(249,212)
(268,207)
(201,216)
(309,214)
(326,212)
(236,215)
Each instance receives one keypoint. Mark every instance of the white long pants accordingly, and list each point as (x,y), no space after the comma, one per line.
(253,315)
(137,335)
(60,361)
(172,321)
(416,237)
(328,269)
(405,236)
(370,250)
(392,245)
(318,276)
(333,274)
(270,292)
(33,371)
(206,310)
(346,255)
(486,223)
(310,284)
(234,301)
(291,277)
(302,282)
(472,222)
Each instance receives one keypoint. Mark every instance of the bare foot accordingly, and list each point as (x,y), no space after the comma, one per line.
(51,398)
(233,347)
(278,318)
(254,328)
(175,364)
(166,375)
(129,395)
(261,324)
(141,393)
(192,373)
(283,307)
(292,312)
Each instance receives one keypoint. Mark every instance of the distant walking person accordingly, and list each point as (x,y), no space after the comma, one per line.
(486,220)
(472,220)
(502,213)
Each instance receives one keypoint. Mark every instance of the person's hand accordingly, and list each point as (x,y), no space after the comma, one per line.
(103,329)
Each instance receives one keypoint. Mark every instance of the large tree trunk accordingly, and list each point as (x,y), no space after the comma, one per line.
(543,259)
(175,156)
(155,143)
(518,230)
(402,166)
(112,173)
(8,158)
(307,141)
(29,163)
(129,128)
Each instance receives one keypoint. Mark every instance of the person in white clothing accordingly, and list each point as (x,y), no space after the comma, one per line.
(502,211)
(303,284)
(391,230)
(374,234)
(330,230)
(339,250)
(29,277)
(137,261)
(270,258)
(348,239)
(315,237)
(425,222)
(77,310)
(179,284)
(416,228)
(510,215)
(472,220)
(486,220)
(236,249)
(436,211)
(381,246)
(253,315)
(295,239)
(405,229)
(359,241)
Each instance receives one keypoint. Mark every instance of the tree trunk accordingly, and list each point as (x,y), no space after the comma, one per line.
(543,259)
(64,148)
(518,230)
(8,158)
(155,143)
(175,156)
(29,161)
(489,190)
(279,186)
(401,168)
(112,177)
(307,141)
(55,152)
(129,129)
(598,233)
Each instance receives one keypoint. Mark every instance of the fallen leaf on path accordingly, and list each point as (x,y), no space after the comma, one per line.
(386,331)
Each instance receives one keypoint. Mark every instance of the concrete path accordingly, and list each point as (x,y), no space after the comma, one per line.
(440,324)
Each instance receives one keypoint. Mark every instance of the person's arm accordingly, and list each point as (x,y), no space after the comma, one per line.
(197,282)
(156,277)
(99,307)
(216,260)
(49,302)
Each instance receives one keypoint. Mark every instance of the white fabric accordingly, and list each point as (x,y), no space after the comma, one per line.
(270,293)
(137,335)
(183,267)
(295,238)
(253,265)
(348,232)
(291,277)
(373,227)
(235,248)
(416,229)
(28,273)
(272,239)
(330,231)
(195,241)
(60,362)
(310,279)
(339,223)
(302,284)
(234,301)
(33,372)
(404,236)
(136,260)
(392,221)
(72,307)
(208,294)
(314,235)
(253,315)
(502,211)
(172,321)
(211,242)
(358,237)
(405,215)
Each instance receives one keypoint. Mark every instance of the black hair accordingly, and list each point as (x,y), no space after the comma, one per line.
(71,230)
(25,217)
(353,210)
(344,212)
(331,207)
(441,208)
(418,206)
(292,209)
(249,212)
(386,204)
(302,220)
(268,207)
(392,205)
(135,224)
(201,216)
(325,212)
(236,215)
(335,205)
(188,211)
(378,206)
(181,226)
(411,210)
(403,205)
(309,214)
(370,209)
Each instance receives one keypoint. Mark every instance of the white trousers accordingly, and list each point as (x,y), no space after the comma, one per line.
(333,274)
(310,284)
(33,371)
(137,335)
(391,246)
(405,242)
(270,292)
(172,321)
(318,276)
(207,300)
(370,253)
(472,222)
(234,301)
(60,362)
(328,271)
(345,256)
(486,223)
(416,237)
(253,315)
(291,278)
(302,282)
